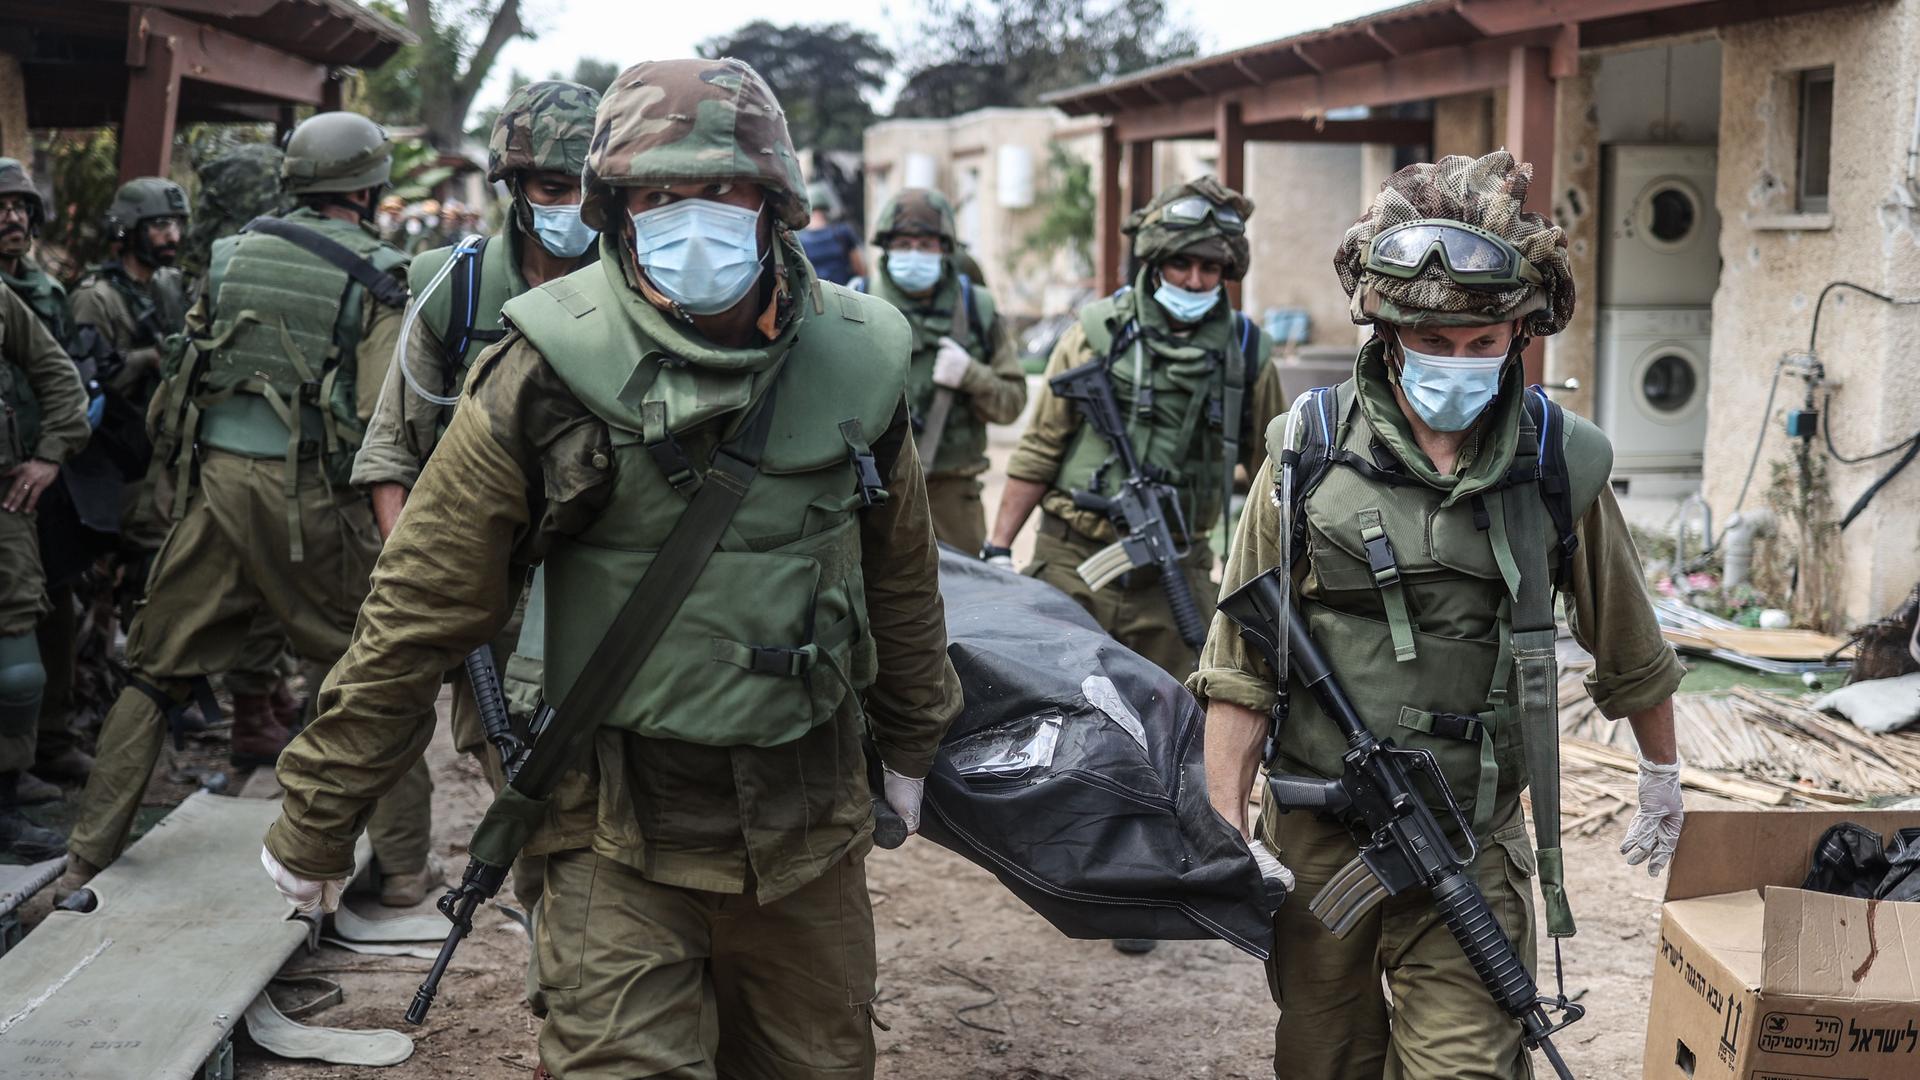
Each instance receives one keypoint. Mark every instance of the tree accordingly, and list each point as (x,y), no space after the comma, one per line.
(592,71)
(434,83)
(823,75)
(1068,205)
(975,54)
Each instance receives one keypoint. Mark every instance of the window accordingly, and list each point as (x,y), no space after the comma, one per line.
(1816,140)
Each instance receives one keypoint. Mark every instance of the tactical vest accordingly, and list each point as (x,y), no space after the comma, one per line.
(1412,591)
(773,639)
(464,312)
(957,300)
(1179,424)
(19,416)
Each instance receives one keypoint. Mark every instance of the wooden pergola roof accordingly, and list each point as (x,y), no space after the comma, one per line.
(147,66)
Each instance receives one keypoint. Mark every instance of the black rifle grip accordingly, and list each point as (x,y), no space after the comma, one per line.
(1186,615)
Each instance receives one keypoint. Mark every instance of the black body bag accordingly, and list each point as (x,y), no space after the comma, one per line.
(1075,774)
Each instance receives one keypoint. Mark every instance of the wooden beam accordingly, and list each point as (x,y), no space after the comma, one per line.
(1139,173)
(1390,132)
(205,54)
(1230,135)
(1496,18)
(1300,51)
(1566,52)
(1381,39)
(1530,138)
(1107,213)
(153,98)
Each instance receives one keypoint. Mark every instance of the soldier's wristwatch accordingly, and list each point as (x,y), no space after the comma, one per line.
(989,551)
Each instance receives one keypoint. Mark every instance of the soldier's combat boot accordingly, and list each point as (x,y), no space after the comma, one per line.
(287,706)
(406,890)
(30,790)
(20,838)
(78,873)
(258,734)
(72,766)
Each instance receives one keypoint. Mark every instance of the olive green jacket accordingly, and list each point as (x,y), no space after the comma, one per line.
(1606,599)
(26,344)
(44,294)
(525,462)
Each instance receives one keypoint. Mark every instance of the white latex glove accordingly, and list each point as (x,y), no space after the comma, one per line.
(1002,562)
(951,364)
(1270,865)
(903,794)
(307,897)
(1655,827)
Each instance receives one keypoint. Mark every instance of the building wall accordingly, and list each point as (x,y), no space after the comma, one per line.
(1572,354)
(1773,273)
(1304,198)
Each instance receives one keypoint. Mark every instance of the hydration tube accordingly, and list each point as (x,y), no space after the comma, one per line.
(463,250)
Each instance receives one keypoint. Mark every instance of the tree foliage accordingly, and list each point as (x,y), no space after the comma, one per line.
(592,71)
(1067,205)
(975,54)
(823,75)
(434,83)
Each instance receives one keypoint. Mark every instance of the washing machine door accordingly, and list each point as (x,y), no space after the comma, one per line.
(1669,384)
(1662,246)
(1670,214)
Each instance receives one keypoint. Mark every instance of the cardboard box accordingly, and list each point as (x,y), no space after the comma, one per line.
(1757,979)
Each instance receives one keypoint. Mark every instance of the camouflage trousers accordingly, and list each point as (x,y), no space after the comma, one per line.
(648,980)
(1435,1018)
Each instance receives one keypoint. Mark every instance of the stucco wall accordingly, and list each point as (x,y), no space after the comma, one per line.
(1572,353)
(1304,198)
(1772,276)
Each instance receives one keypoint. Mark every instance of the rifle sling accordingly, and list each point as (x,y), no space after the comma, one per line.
(520,806)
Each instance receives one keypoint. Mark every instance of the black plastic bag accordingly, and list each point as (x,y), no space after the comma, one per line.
(1075,774)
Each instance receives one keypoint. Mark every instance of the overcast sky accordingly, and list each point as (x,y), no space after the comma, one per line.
(628,32)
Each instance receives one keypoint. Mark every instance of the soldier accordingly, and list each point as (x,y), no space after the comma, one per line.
(966,372)
(22,213)
(538,146)
(43,422)
(705,906)
(239,184)
(1422,536)
(256,432)
(831,245)
(1210,392)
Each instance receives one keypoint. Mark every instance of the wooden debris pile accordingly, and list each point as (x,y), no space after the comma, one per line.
(1746,746)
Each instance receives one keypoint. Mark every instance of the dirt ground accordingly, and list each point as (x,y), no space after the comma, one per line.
(972,984)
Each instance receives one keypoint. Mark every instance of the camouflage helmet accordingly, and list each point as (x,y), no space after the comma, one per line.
(142,199)
(1155,239)
(916,212)
(238,184)
(543,125)
(691,121)
(15,181)
(336,152)
(1487,194)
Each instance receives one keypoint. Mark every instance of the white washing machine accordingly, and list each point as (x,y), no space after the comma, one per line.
(1652,397)
(1662,240)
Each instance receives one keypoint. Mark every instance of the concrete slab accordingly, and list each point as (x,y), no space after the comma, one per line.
(187,933)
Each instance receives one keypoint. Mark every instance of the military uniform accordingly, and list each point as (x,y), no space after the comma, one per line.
(1408,582)
(544,126)
(994,390)
(43,416)
(44,296)
(262,516)
(705,906)
(1186,434)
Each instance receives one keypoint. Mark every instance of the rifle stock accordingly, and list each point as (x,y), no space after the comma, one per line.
(1402,844)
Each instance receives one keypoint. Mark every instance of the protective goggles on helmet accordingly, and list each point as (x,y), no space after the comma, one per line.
(1471,257)
(1193,210)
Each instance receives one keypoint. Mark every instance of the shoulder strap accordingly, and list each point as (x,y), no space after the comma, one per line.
(520,807)
(384,287)
(465,308)
(962,329)
(1556,486)
(1321,419)
(1237,374)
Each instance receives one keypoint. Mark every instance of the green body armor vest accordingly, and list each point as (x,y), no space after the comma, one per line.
(1182,428)
(464,312)
(956,301)
(276,377)
(1413,592)
(773,638)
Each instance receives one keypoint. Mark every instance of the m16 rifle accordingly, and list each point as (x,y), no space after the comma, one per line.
(1402,844)
(1145,510)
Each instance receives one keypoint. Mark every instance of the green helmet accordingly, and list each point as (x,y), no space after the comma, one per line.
(336,152)
(543,125)
(15,181)
(238,184)
(691,121)
(142,199)
(1485,193)
(1203,218)
(916,212)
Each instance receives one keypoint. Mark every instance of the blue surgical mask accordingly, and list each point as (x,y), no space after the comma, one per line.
(561,231)
(1449,392)
(702,254)
(915,271)
(1183,305)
